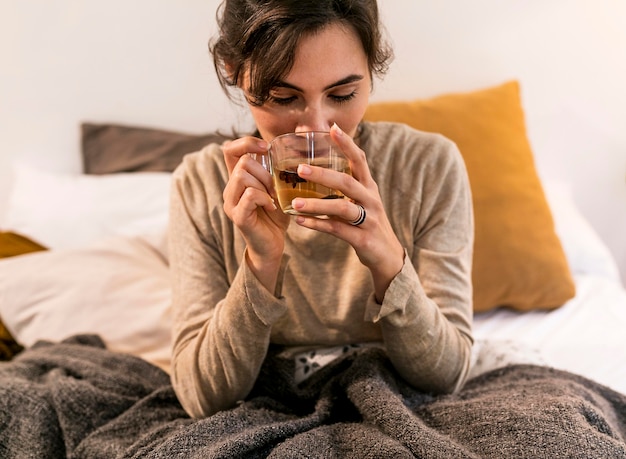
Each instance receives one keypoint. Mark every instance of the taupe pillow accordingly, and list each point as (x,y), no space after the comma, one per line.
(113,148)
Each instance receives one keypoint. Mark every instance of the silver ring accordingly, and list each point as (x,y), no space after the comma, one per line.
(361,218)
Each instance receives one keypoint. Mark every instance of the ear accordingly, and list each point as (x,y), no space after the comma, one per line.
(229,71)
(228,67)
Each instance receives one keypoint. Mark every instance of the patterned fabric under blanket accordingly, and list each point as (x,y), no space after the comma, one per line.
(77,399)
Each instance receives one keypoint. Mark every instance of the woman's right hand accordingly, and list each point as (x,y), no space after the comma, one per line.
(249,204)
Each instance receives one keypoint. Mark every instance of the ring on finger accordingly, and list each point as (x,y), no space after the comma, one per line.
(361,218)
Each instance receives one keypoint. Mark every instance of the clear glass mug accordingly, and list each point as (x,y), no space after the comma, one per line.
(316,148)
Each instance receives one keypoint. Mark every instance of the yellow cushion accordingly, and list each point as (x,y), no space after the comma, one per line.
(518,259)
(13,244)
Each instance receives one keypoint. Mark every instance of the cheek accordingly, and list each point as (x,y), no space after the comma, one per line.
(271,124)
(348,119)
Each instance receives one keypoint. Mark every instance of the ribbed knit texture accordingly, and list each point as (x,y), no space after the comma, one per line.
(225,319)
(77,400)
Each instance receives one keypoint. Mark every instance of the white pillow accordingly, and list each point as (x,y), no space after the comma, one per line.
(585,251)
(118,288)
(66,211)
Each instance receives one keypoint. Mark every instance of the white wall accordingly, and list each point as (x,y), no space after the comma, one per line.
(146,62)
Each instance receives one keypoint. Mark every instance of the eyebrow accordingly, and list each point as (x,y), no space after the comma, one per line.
(347,80)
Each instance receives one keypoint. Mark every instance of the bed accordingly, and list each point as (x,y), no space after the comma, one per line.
(85,317)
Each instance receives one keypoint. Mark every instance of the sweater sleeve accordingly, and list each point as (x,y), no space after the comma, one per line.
(222,325)
(424,345)
(426,314)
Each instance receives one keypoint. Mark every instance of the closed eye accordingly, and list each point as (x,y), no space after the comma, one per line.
(282,100)
(343,98)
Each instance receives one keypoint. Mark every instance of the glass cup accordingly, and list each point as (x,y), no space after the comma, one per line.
(287,151)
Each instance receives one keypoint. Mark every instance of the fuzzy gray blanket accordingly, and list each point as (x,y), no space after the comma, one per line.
(76,399)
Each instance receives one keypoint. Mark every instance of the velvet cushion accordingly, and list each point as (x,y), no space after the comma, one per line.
(518,258)
(110,148)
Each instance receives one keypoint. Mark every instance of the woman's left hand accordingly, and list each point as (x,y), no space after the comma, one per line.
(374,240)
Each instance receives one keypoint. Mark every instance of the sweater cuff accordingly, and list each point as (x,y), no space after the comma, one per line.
(397,295)
(267,306)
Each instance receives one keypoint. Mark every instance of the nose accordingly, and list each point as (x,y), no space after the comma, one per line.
(314,118)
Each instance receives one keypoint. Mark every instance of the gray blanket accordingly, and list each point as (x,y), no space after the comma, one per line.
(76,399)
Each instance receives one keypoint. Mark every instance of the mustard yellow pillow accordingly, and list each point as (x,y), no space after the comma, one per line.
(13,244)
(518,259)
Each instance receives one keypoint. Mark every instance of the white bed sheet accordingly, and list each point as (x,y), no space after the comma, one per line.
(585,336)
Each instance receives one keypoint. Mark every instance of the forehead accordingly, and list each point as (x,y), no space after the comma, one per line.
(327,56)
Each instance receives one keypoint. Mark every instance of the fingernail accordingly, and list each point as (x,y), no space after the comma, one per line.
(303,169)
(263,144)
(297,203)
(337,129)
(299,220)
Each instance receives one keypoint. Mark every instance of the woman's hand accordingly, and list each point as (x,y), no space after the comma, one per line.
(250,206)
(374,240)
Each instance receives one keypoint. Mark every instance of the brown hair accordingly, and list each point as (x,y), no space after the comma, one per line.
(261,36)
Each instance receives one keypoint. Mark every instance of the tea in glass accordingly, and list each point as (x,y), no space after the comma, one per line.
(313,148)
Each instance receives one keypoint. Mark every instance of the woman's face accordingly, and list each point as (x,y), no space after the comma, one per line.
(329,83)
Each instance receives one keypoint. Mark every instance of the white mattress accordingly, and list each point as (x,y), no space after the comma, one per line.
(585,336)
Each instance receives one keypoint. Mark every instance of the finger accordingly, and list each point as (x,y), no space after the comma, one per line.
(356,156)
(252,199)
(235,149)
(247,174)
(342,209)
(330,178)
(257,169)
(339,228)
(243,211)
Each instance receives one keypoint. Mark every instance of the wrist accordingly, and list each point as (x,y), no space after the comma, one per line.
(383,274)
(265,269)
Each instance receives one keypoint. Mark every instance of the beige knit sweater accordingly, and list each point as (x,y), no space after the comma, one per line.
(225,319)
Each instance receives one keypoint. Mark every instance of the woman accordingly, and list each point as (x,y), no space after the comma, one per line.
(246,275)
